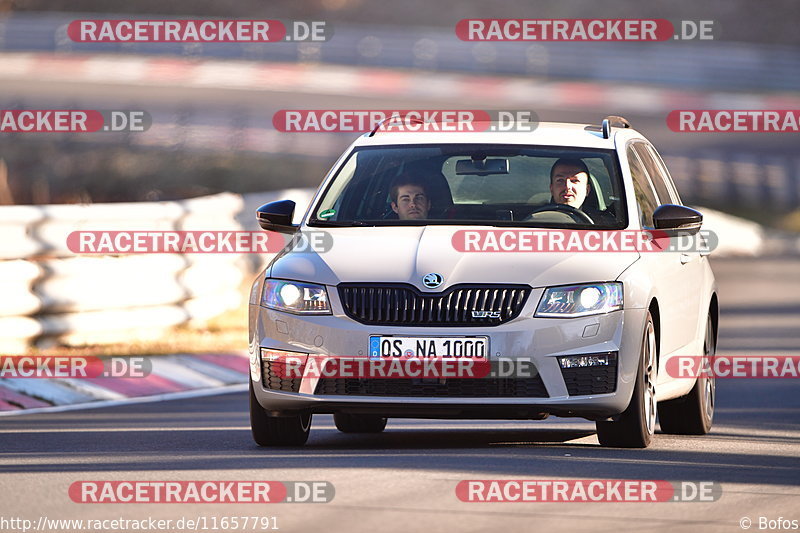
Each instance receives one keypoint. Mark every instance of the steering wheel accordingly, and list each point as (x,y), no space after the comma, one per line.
(576,214)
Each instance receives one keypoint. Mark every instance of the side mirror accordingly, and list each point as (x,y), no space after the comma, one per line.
(677,217)
(277,216)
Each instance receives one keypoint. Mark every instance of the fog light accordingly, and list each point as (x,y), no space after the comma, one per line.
(280,365)
(580,361)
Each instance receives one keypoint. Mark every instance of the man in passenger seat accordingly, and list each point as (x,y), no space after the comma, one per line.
(410,198)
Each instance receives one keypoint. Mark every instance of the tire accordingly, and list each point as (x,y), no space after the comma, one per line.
(636,425)
(693,414)
(359,423)
(277,430)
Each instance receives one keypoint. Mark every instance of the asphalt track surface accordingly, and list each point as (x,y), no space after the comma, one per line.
(405,479)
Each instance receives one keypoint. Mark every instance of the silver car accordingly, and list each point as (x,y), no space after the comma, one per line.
(588,333)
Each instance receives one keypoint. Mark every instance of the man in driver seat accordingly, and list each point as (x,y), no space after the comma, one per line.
(569,182)
(570,185)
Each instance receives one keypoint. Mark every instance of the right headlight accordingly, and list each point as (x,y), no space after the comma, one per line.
(295,297)
(580,300)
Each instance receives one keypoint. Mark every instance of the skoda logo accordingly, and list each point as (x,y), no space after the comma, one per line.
(432,280)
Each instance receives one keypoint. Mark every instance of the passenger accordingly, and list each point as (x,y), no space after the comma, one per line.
(410,198)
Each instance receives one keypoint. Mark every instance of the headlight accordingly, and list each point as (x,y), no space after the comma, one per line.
(580,300)
(295,297)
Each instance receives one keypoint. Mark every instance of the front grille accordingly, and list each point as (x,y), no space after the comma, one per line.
(592,379)
(271,372)
(432,388)
(405,305)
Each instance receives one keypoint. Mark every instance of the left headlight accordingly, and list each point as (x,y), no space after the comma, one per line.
(295,297)
(580,300)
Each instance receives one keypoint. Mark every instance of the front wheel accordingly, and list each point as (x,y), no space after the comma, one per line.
(277,430)
(693,414)
(636,425)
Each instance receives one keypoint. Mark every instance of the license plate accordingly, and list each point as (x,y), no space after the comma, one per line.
(428,347)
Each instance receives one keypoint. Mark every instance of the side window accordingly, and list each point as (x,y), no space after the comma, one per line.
(665,173)
(645,196)
(655,171)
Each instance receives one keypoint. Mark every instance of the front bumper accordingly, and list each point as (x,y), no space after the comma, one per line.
(539,340)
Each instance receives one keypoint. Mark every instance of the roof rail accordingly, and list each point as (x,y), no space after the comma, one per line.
(616,122)
(398,119)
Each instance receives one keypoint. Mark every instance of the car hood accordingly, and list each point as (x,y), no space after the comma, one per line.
(404,254)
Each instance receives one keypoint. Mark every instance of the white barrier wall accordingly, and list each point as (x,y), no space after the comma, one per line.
(50,295)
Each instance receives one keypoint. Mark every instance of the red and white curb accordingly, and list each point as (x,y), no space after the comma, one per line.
(171,377)
(374,82)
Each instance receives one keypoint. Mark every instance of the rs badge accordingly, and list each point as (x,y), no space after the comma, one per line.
(486,314)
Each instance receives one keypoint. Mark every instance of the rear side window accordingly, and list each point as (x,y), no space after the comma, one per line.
(664,173)
(655,171)
(645,196)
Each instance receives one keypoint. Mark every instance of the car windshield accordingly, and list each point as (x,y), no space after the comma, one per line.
(474,184)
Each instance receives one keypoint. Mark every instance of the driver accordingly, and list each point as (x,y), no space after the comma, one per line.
(570,185)
(569,182)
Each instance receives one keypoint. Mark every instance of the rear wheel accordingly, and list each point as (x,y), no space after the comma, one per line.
(693,414)
(635,426)
(277,430)
(347,423)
